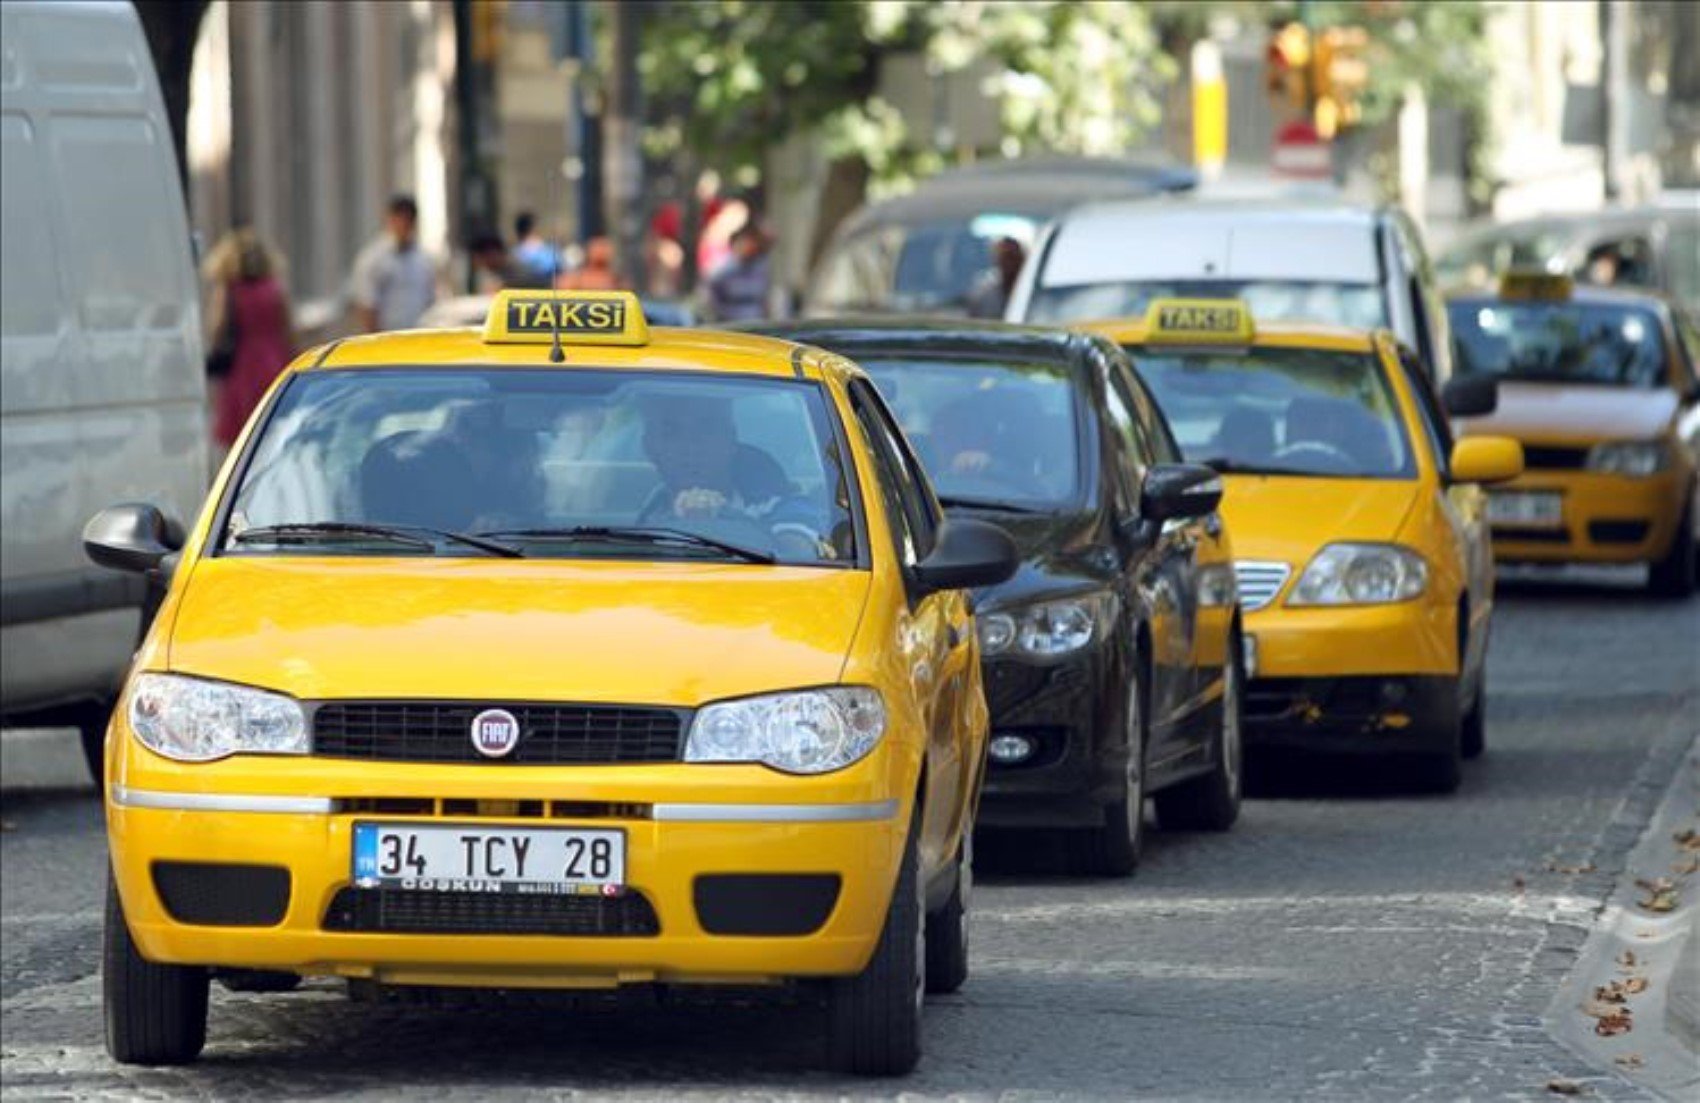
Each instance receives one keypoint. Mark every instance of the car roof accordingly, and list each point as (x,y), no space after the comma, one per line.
(667,349)
(1132,331)
(1187,238)
(946,336)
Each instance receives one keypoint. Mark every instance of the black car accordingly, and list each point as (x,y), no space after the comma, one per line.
(1112,658)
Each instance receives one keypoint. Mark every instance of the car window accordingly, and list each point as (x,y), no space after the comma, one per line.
(1292,411)
(901,513)
(1429,408)
(1688,338)
(748,461)
(939,264)
(1349,304)
(1625,261)
(918,497)
(1153,426)
(996,431)
(1605,344)
(1682,262)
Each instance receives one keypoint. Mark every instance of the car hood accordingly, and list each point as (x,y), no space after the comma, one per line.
(1059,553)
(1554,411)
(654,633)
(1286,518)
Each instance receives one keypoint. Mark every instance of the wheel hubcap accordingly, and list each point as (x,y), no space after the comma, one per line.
(1231,745)
(1135,765)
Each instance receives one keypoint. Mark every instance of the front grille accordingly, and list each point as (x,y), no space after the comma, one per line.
(399,911)
(1550,457)
(441,731)
(1259,581)
(220,894)
(1618,532)
(1531,536)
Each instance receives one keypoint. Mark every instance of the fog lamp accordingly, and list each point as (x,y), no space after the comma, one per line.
(1009,750)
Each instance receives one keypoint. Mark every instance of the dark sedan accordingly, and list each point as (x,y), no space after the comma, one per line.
(1112,658)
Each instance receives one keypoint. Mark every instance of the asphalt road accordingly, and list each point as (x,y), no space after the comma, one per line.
(1344,942)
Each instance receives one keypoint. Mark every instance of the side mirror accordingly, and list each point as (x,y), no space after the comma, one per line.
(131,537)
(1486,460)
(968,554)
(1175,491)
(1470,396)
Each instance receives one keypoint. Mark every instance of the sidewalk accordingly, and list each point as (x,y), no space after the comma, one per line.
(42,759)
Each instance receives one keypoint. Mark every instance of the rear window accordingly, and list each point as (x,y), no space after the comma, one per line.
(1605,344)
(1358,305)
(944,265)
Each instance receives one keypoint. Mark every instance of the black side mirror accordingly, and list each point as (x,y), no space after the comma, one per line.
(1470,396)
(1179,490)
(133,536)
(968,554)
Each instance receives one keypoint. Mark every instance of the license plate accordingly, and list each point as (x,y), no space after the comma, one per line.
(465,858)
(1532,510)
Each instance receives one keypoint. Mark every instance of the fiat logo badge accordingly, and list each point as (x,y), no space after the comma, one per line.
(495,733)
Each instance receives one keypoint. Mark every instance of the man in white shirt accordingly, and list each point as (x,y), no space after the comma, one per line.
(394,280)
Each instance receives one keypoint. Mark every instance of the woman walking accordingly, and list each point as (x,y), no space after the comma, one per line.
(249,337)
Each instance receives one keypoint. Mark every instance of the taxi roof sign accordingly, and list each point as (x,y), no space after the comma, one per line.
(1198,322)
(1536,286)
(577,317)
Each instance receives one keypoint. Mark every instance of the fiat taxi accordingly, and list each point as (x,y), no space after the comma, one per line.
(1362,554)
(1599,385)
(565,653)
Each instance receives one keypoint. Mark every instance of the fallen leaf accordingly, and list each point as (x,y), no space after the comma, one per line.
(1558,1085)
(1686,866)
(1661,894)
(1555,867)
(1629,1060)
(1519,884)
(1610,1026)
(1688,839)
(1608,993)
(1627,959)
(1634,986)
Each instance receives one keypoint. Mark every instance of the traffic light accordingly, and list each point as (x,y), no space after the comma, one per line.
(1287,66)
(1339,74)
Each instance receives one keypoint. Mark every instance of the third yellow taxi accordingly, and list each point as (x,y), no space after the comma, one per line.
(1602,386)
(1362,552)
(562,654)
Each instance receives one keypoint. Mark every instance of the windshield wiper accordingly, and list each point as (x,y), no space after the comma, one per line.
(417,536)
(951,501)
(637,534)
(1226,466)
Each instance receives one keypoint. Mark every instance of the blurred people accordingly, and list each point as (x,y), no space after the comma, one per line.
(532,252)
(495,268)
(394,280)
(989,295)
(248,327)
(597,271)
(738,291)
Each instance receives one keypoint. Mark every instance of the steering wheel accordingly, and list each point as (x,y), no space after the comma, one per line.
(1329,457)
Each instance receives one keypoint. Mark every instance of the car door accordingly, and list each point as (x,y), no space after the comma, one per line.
(934,633)
(1163,582)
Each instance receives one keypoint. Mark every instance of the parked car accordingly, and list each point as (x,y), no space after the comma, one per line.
(927,252)
(1602,387)
(1654,247)
(102,379)
(1113,657)
(1288,259)
(1364,566)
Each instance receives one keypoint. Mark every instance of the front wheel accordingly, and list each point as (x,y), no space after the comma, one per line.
(1211,802)
(875,1016)
(1675,574)
(947,928)
(1441,769)
(1113,848)
(155,1014)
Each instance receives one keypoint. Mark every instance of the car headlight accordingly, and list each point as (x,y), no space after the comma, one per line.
(1049,629)
(192,720)
(813,731)
(1361,574)
(1628,457)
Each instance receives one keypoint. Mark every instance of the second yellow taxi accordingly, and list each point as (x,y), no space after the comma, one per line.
(562,654)
(1361,548)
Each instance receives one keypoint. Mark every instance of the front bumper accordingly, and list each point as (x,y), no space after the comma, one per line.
(1606,519)
(672,849)
(1362,714)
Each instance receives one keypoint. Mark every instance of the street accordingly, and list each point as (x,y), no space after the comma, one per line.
(1345,941)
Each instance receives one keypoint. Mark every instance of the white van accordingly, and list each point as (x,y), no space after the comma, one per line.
(102,385)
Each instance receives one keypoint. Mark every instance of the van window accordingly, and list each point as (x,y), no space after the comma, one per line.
(124,269)
(26,246)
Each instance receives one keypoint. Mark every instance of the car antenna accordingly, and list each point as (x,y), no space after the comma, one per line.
(556,353)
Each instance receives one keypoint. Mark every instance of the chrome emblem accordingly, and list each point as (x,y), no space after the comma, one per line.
(495,733)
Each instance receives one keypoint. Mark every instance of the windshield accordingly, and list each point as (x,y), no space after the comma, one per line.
(992,433)
(949,264)
(1280,410)
(525,457)
(1606,344)
(1346,304)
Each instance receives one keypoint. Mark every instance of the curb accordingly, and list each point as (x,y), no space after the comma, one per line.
(1645,960)
(38,760)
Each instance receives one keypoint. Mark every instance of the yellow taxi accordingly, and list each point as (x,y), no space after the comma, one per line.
(1361,553)
(563,654)
(1603,388)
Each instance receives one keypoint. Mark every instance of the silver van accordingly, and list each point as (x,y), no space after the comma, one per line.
(102,385)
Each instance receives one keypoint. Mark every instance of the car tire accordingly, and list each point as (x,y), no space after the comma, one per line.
(155,1014)
(91,721)
(1674,575)
(947,928)
(1211,802)
(1441,770)
(874,1026)
(1113,848)
(1472,741)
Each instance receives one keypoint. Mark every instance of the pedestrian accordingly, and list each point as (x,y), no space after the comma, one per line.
(494,268)
(738,291)
(394,279)
(597,271)
(248,327)
(533,253)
